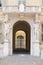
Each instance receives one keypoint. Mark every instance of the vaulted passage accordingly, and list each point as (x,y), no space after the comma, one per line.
(21,37)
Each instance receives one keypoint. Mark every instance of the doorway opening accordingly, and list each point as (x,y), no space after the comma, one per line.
(21,37)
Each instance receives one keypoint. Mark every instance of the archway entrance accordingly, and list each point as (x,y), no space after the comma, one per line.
(21,37)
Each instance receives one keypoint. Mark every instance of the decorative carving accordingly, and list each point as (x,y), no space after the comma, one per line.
(6,18)
(21,16)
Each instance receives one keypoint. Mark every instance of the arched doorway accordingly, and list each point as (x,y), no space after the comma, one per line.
(20,40)
(21,37)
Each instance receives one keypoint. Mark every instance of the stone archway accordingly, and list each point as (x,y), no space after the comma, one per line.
(23,26)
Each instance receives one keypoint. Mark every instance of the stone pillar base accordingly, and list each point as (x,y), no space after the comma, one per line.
(6,48)
(36,49)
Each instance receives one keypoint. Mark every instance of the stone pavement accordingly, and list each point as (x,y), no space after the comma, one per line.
(20,59)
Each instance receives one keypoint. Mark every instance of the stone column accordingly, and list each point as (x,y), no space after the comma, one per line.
(5,49)
(36,49)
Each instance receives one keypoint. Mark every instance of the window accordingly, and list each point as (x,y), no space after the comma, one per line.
(42,32)
(42,37)
(0,3)
(42,2)
(22,2)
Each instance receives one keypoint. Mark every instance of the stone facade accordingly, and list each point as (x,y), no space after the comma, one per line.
(8,19)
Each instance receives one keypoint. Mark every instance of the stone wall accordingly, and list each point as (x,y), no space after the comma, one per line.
(34,22)
(34,33)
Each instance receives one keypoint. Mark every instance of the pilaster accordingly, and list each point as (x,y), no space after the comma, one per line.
(36,49)
(6,47)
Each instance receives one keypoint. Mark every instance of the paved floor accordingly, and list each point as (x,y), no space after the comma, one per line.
(20,59)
